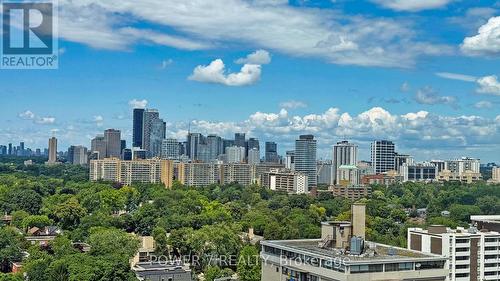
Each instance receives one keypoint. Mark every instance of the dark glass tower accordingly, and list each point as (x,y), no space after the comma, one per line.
(137,127)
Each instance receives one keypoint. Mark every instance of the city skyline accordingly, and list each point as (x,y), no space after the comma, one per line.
(438,97)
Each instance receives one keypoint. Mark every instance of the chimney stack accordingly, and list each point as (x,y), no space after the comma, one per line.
(358,219)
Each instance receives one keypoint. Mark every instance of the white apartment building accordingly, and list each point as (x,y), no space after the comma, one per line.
(235,154)
(472,255)
(495,175)
(285,180)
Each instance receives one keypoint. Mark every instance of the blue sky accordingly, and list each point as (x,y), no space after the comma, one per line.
(421,73)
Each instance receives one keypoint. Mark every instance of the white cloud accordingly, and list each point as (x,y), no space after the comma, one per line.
(456,76)
(166,63)
(135,103)
(267,24)
(99,120)
(405,87)
(485,85)
(429,96)
(486,42)
(483,105)
(27,115)
(412,5)
(215,72)
(293,104)
(45,120)
(258,57)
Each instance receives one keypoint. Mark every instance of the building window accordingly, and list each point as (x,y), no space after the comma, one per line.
(364,268)
(399,266)
(459,275)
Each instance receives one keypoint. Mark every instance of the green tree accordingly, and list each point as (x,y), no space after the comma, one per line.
(69,213)
(39,221)
(249,265)
(10,247)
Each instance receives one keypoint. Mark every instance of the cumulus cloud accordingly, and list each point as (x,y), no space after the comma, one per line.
(268,24)
(483,104)
(258,57)
(486,41)
(489,85)
(412,5)
(428,95)
(293,104)
(215,72)
(135,103)
(99,120)
(27,115)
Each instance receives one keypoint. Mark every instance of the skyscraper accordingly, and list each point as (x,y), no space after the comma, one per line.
(239,139)
(170,149)
(112,138)
(344,153)
(52,150)
(154,131)
(235,154)
(271,154)
(252,143)
(98,146)
(305,158)
(215,147)
(382,156)
(77,155)
(193,142)
(253,156)
(137,127)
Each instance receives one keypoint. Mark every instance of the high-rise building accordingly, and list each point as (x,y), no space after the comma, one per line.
(305,158)
(495,175)
(112,138)
(226,144)
(137,129)
(400,159)
(459,166)
(253,156)
(98,146)
(344,153)
(440,165)
(239,139)
(77,155)
(154,131)
(215,146)
(271,153)
(471,254)
(290,160)
(382,156)
(10,149)
(52,150)
(285,180)
(170,149)
(418,172)
(324,168)
(252,143)
(235,154)
(193,144)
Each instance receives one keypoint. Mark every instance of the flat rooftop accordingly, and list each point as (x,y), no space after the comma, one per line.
(382,252)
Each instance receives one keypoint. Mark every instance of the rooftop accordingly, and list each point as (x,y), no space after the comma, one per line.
(378,252)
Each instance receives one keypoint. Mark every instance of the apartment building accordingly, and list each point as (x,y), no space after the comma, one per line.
(285,180)
(342,254)
(471,254)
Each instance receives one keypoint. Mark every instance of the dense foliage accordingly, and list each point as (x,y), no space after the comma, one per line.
(201,222)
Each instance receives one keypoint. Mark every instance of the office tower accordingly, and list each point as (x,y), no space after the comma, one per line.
(170,149)
(239,139)
(192,146)
(305,158)
(344,153)
(226,144)
(137,129)
(52,150)
(3,149)
(138,153)
(22,151)
(382,156)
(154,131)
(203,152)
(10,148)
(127,154)
(215,146)
(77,155)
(253,156)
(341,253)
(98,146)
(235,154)
(112,138)
(123,145)
(252,143)
(290,160)
(38,152)
(271,154)
(325,174)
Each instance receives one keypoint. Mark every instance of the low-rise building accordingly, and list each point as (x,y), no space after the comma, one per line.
(353,192)
(471,254)
(418,172)
(162,271)
(342,254)
(465,177)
